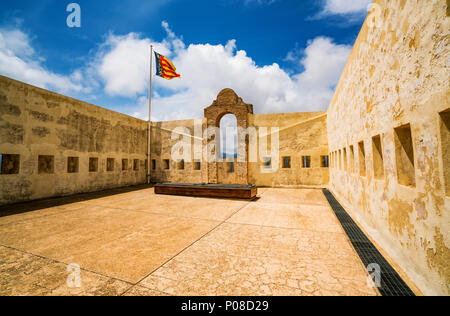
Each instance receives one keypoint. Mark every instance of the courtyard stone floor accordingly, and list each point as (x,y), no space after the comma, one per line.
(133,242)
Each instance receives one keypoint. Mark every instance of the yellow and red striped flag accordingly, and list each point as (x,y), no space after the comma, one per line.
(165,68)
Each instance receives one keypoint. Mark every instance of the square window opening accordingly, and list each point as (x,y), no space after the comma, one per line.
(378,160)
(93,164)
(324,163)
(362,159)
(110,164)
(404,156)
(306,162)
(10,164)
(73,164)
(124,164)
(445,146)
(166,163)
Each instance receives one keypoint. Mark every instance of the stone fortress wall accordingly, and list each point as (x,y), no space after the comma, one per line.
(388,132)
(383,147)
(303,158)
(302,137)
(52,145)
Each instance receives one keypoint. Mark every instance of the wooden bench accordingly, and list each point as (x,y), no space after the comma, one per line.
(233,191)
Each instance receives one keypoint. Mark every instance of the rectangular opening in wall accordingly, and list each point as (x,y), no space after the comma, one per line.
(404,156)
(46,164)
(135,164)
(362,159)
(345,159)
(110,164)
(324,162)
(93,164)
(166,163)
(10,164)
(153,164)
(306,161)
(72,164)
(340,159)
(180,165)
(351,166)
(445,145)
(197,165)
(286,162)
(230,167)
(267,162)
(124,164)
(378,162)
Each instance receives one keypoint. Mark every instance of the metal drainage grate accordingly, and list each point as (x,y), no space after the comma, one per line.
(391,283)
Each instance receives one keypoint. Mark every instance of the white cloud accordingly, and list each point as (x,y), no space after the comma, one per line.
(206,69)
(336,7)
(121,68)
(123,62)
(324,62)
(19,60)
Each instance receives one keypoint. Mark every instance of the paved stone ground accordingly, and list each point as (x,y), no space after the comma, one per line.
(133,242)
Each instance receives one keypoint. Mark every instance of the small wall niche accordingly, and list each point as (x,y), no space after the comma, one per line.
(197,165)
(124,164)
(352,166)
(378,160)
(445,145)
(345,159)
(93,164)
(73,164)
(267,163)
(362,159)
(324,163)
(306,162)
(135,164)
(286,162)
(340,159)
(10,164)
(230,167)
(46,164)
(153,164)
(110,164)
(166,163)
(404,156)
(180,165)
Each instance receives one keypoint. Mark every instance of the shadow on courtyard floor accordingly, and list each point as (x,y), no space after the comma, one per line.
(23,207)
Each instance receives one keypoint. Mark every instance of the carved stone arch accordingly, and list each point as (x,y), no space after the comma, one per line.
(228,102)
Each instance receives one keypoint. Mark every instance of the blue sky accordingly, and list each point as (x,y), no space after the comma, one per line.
(280,55)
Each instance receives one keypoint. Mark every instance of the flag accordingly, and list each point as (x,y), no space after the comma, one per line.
(165,68)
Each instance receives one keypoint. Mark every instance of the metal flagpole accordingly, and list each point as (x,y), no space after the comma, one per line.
(150,118)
